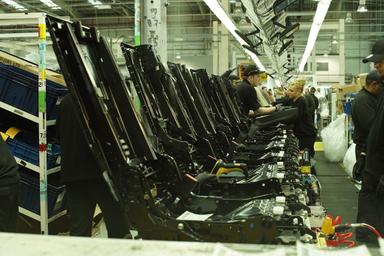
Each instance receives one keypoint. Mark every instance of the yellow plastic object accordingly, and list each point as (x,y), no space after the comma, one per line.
(4,136)
(42,31)
(328,228)
(223,170)
(305,169)
(321,240)
(12,132)
(263,77)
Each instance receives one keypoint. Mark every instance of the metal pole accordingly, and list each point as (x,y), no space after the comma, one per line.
(42,44)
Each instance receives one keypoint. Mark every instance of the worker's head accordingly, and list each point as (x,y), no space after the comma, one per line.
(377,56)
(252,74)
(295,90)
(312,90)
(373,82)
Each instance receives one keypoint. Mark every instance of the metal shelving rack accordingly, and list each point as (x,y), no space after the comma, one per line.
(39,20)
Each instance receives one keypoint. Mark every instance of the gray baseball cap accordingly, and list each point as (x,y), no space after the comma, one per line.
(374,76)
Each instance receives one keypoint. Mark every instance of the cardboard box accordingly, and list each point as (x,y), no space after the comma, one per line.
(360,79)
(341,90)
(339,106)
(15,61)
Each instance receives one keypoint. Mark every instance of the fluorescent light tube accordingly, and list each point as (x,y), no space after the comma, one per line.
(362,8)
(218,10)
(15,5)
(50,4)
(103,6)
(321,12)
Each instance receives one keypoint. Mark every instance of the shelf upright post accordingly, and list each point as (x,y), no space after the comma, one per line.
(42,44)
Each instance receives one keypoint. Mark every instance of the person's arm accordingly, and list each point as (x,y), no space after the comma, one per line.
(262,111)
(365,111)
(283,100)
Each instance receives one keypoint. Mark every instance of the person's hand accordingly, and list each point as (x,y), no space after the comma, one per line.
(357,174)
(358,167)
(380,187)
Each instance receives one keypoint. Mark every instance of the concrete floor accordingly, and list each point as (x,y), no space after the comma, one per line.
(339,195)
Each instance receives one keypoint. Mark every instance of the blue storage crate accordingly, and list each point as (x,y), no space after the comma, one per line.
(19,89)
(30,196)
(30,153)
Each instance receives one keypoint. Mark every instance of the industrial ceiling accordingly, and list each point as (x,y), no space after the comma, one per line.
(189,22)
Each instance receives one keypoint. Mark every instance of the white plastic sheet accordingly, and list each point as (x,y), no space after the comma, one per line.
(334,140)
(350,159)
(311,250)
(221,250)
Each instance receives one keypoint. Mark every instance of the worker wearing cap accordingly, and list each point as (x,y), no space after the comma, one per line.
(249,104)
(371,195)
(364,108)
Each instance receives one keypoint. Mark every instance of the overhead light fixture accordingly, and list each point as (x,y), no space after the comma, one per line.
(321,12)
(218,10)
(14,4)
(95,2)
(334,40)
(103,6)
(348,18)
(238,8)
(51,4)
(362,7)
(99,5)
(325,54)
(243,21)
(178,56)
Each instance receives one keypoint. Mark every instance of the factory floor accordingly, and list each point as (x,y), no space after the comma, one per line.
(339,194)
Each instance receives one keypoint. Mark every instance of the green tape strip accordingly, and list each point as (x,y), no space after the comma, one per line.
(137,104)
(137,40)
(42,101)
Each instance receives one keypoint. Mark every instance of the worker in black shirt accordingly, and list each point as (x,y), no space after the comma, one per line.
(371,195)
(311,105)
(312,92)
(85,186)
(364,108)
(9,189)
(249,104)
(304,128)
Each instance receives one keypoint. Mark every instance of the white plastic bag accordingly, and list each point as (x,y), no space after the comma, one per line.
(349,159)
(334,140)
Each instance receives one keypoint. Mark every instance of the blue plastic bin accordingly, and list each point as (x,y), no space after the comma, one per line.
(30,195)
(30,154)
(19,88)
